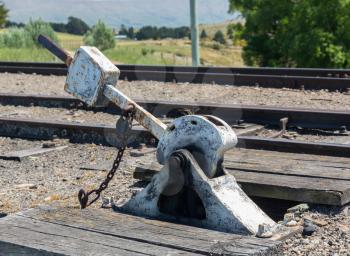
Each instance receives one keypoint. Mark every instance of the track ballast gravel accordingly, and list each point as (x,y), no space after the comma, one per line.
(150,90)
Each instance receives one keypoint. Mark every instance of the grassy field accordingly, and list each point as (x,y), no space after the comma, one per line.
(150,52)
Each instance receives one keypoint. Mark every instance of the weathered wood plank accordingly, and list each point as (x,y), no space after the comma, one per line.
(294,188)
(289,176)
(103,232)
(21,154)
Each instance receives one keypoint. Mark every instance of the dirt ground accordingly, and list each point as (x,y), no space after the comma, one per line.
(150,90)
(58,175)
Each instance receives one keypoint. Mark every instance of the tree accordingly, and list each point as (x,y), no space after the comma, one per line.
(9,24)
(123,30)
(100,36)
(76,26)
(307,33)
(59,27)
(230,31)
(131,33)
(147,32)
(3,14)
(219,37)
(204,34)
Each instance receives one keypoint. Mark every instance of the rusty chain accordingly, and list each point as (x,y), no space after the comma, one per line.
(127,116)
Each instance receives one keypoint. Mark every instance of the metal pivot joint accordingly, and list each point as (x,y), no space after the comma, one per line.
(226,207)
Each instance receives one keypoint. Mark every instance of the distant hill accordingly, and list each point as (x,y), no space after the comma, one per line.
(116,12)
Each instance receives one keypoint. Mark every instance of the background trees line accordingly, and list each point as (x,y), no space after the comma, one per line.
(289,33)
(284,33)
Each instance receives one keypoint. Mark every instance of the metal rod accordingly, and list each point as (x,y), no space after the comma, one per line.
(194,34)
(146,119)
(55,49)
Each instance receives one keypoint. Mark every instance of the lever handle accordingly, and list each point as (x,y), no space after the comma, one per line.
(55,49)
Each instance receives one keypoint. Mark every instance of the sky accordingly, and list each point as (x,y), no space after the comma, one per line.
(116,12)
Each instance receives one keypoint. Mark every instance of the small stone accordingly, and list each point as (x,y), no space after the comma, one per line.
(320,223)
(264,231)
(315,241)
(306,241)
(52,198)
(291,223)
(26,186)
(309,228)
(299,208)
(345,211)
(288,217)
(49,145)
(107,202)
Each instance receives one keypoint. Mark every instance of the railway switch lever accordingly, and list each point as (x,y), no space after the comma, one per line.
(193,183)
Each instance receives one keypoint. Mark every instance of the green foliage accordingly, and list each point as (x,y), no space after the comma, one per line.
(3,14)
(15,38)
(10,24)
(307,33)
(219,37)
(149,32)
(34,54)
(129,32)
(59,27)
(34,28)
(216,46)
(76,26)
(100,36)
(26,37)
(234,32)
(204,34)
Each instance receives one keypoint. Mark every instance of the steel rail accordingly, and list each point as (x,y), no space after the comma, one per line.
(231,113)
(105,135)
(313,72)
(308,79)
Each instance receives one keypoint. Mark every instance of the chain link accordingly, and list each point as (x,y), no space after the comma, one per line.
(84,196)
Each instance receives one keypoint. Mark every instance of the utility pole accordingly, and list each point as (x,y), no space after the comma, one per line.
(194,34)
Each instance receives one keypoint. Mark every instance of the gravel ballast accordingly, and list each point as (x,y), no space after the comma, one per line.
(150,90)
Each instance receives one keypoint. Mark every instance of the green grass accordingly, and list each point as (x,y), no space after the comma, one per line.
(70,42)
(172,52)
(26,54)
(150,52)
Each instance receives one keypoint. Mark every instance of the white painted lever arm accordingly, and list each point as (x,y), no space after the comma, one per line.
(146,119)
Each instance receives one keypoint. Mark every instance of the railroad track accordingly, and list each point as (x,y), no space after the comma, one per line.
(306,79)
(104,134)
(265,115)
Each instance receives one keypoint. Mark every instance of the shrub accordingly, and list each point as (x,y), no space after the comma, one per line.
(100,36)
(216,46)
(26,37)
(144,51)
(38,27)
(15,38)
(219,37)
(204,34)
